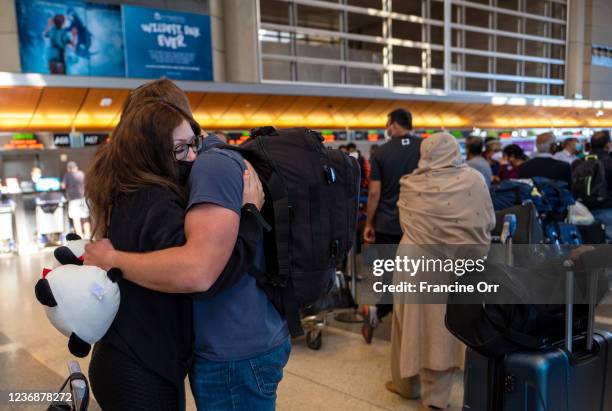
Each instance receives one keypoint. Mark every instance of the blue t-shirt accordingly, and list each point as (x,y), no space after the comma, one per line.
(240,322)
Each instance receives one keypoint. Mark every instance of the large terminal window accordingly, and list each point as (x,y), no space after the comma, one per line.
(496,46)
(508,46)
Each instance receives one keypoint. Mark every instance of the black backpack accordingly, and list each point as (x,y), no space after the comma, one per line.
(590,181)
(311,204)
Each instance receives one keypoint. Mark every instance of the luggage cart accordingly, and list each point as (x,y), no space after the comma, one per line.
(314,318)
(341,297)
(50,219)
(7,225)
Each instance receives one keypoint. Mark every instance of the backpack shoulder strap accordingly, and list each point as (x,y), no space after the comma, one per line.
(282,226)
(278,288)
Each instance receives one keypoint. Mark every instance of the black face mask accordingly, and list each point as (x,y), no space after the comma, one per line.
(183,169)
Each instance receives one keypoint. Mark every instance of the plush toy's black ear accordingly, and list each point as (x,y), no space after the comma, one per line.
(114,274)
(78,347)
(43,292)
(72,237)
(65,256)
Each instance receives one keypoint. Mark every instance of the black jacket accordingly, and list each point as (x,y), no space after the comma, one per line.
(546,167)
(607,159)
(155,328)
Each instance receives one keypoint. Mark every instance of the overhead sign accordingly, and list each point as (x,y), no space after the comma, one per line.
(93,139)
(167,43)
(78,140)
(61,140)
(70,37)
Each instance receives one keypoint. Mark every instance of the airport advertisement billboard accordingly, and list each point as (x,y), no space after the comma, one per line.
(70,37)
(167,43)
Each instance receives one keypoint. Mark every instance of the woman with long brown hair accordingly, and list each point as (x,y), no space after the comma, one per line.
(137,194)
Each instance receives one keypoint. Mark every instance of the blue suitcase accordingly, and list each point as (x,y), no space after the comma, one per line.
(573,375)
(545,380)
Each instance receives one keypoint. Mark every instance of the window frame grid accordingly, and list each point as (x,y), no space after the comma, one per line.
(453,76)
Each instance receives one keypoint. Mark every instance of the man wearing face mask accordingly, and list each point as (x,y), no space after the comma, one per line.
(397,157)
(571,148)
(493,154)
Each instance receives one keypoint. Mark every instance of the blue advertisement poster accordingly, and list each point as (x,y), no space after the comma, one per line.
(167,43)
(70,37)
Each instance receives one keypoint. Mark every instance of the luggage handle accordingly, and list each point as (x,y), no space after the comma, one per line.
(569,306)
(506,236)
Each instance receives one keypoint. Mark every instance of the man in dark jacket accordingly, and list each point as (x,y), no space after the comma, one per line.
(543,164)
(601,146)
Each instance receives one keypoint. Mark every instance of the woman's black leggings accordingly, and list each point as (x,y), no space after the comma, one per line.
(119,383)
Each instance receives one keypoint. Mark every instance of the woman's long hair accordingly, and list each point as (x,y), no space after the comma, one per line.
(139,154)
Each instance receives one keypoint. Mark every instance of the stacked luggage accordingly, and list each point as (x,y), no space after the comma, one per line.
(520,358)
(554,207)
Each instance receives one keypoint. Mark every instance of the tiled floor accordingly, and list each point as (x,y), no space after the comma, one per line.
(345,374)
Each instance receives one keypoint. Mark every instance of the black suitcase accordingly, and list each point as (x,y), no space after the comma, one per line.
(528,226)
(572,375)
(593,233)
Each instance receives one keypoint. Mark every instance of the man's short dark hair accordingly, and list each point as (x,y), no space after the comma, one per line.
(599,140)
(514,150)
(401,117)
(351,146)
(474,145)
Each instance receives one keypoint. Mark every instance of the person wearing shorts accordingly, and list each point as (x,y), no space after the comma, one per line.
(74,186)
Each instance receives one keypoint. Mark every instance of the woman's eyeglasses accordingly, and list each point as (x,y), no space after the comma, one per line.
(181,150)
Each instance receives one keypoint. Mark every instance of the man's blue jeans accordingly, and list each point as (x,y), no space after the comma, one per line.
(239,385)
(604,215)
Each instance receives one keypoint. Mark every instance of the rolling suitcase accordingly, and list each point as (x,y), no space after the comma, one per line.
(573,374)
(528,225)
(550,379)
(593,233)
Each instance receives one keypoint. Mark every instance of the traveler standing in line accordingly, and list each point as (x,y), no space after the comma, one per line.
(397,157)
(442,202)
(514,157)
(601,147)
(73,184)
(356,154)
(137,187)
(476,160)
(544,164)
(571,148)
(493,155)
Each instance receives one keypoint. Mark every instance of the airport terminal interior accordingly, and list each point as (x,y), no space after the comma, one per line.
(502,73)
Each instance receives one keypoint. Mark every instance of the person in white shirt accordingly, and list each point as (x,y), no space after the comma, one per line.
(571,148)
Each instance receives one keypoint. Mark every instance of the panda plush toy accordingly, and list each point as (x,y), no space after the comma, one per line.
(80,301)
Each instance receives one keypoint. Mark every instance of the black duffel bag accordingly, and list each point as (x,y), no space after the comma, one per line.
(493,329)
